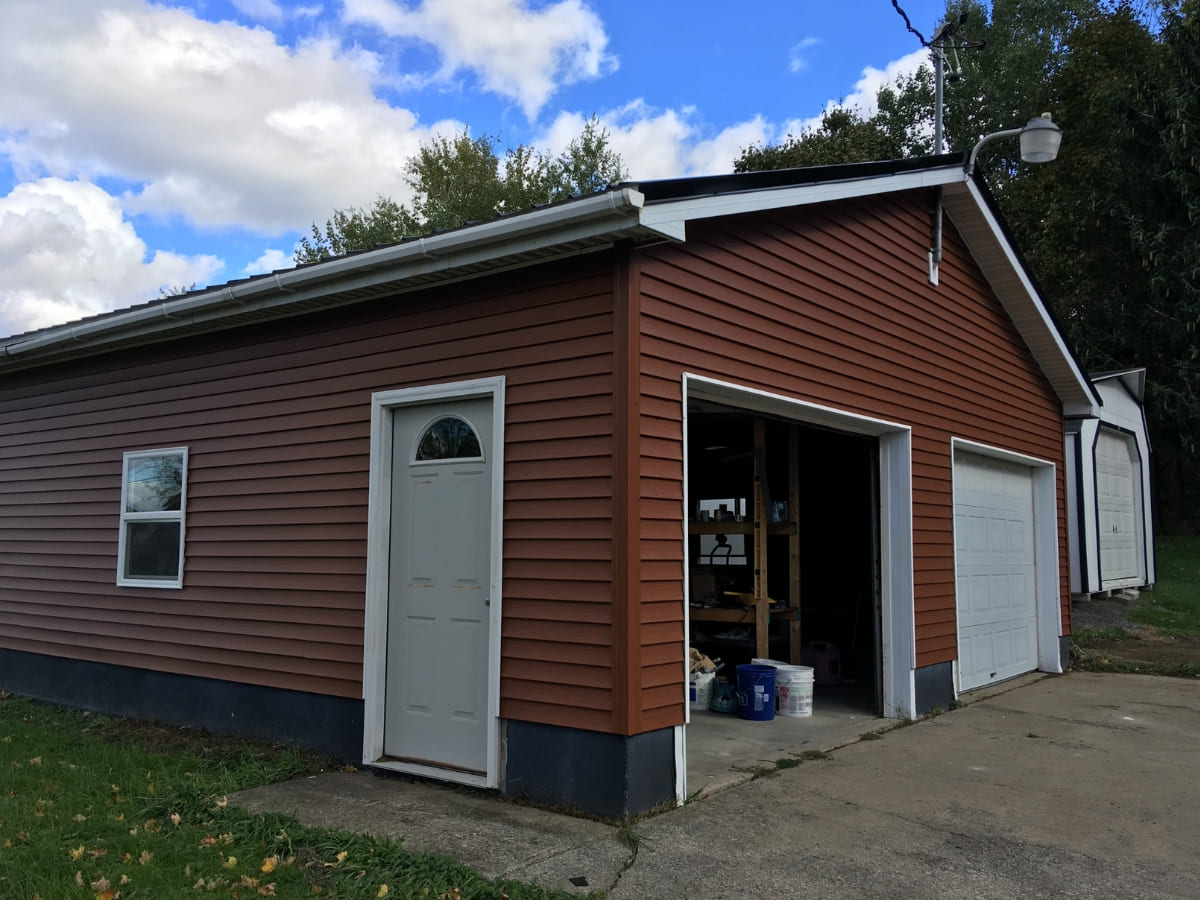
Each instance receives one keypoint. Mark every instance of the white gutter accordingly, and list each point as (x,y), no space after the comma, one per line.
(589,216)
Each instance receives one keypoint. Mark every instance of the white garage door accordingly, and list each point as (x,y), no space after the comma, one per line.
(995,564)
(1119,563)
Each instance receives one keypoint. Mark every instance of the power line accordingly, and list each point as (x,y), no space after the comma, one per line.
(908,24)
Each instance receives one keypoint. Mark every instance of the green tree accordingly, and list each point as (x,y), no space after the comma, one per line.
(845,135)
(357,228)
(462,179)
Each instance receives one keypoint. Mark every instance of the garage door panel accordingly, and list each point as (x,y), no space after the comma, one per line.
(996,569)
(1116,465)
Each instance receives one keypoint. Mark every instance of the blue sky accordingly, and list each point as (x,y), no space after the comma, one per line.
(146,145)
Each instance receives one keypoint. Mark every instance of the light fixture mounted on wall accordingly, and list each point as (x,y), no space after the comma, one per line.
(1040,140)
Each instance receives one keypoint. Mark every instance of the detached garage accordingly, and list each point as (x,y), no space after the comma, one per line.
(1110,518)
(457,507)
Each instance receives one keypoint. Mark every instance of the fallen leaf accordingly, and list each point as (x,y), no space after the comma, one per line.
(110,894)
(145,857)
(97,852)
(383,891)
(267,890)
(36,761)
(79,878)
(223,802)
(101,884)
(229,863)
(79,817)
(125,879)
(269,864)
(176,819)
(341,857)
(77,852)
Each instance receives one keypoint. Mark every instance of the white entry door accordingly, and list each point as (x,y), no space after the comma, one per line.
(436,687)
(1115,504)
(996,567)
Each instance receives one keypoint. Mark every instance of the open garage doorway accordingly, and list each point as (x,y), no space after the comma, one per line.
(810,508)
(819,497)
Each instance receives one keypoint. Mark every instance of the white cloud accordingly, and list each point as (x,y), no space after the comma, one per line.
(67,252)
(214,122)
(270,261)
(263,10)
(662,143)
(517,52)
(797,62)
(862,97)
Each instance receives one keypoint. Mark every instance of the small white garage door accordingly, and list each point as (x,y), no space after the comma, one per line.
(1119,559)
(996,565)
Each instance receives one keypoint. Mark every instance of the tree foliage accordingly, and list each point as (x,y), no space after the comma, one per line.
(461,179)
(847,135)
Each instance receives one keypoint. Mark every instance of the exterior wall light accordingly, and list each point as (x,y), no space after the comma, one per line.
(1040,140)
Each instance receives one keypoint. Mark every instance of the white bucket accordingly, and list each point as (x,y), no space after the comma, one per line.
(700,687)
(794,690)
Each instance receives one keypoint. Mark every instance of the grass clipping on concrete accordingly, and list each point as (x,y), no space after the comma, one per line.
(101,809)
(1166,639)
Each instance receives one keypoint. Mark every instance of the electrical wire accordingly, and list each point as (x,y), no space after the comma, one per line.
(908,24)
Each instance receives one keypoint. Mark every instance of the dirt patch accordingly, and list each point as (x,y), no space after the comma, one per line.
(1148,646)
(154,737)
(1107,639)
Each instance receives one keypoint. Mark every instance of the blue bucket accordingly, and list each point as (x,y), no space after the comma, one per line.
(756,692)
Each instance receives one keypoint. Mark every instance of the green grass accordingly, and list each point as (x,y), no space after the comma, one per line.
(98,809)
(1173,606)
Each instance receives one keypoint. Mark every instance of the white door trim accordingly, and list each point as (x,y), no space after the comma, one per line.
(1045,548)
(379,516)
(895,521)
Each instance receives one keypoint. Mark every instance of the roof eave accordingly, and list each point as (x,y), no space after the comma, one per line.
(588,223)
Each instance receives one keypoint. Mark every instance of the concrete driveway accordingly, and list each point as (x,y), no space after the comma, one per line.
(1082,785)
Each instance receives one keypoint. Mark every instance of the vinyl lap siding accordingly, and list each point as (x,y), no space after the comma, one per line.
(277,419)
(830,304)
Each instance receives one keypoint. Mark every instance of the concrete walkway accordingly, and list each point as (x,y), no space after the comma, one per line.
(1083,785)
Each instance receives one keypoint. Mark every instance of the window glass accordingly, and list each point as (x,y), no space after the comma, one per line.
(449,438)
(152,549)
(153,483)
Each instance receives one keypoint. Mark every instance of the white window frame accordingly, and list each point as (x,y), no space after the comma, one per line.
(170,515)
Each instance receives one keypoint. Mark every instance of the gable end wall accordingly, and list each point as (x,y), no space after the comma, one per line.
(830,304)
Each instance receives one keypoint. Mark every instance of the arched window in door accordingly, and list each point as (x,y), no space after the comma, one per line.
(448,437)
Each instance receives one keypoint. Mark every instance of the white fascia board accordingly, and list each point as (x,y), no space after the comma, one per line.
(671,216)
(602,214)
(1019,292)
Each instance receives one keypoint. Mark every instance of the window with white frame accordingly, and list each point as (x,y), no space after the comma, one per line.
(153,500)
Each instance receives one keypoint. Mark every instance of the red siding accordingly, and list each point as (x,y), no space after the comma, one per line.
(831,304)
(276,419)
